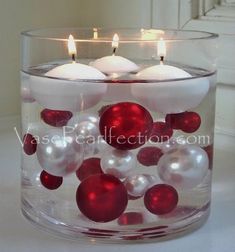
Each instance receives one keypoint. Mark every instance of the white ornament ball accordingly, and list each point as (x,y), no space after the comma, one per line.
(137,185)
(118,163)
(59,154)
(172,144)
(166,96)
(84,117)
(183,167)
(87,132)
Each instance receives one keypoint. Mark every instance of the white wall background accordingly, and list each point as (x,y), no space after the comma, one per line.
(18,15)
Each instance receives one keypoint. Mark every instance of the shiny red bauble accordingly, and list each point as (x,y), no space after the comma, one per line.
(161,199)
(149,156)
(29,144)
(126,125)
(56,118)
(131,218)
(90,166)
(49,181)
(161,132)
(188,122)
(102,198)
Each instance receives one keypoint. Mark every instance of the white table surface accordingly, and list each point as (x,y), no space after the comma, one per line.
(18,235)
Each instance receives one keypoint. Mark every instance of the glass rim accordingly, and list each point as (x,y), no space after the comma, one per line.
(198,35)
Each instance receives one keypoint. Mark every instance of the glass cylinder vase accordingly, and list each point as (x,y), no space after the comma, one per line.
(117,129)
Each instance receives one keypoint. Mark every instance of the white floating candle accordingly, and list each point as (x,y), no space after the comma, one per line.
(62,92)
(115,66)
(113,63)
(173,96)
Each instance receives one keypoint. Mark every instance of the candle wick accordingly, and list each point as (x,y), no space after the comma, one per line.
(114,51)
(161,60)
(73,58)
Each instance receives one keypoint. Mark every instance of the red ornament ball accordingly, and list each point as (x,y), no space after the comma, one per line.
(173,120)
(161,199)
(126,125)
(161,132)
(102,198)
(49,181)
(29,144)
(188,122)
(149,156)
(90,166)
(56,118)
(131,218)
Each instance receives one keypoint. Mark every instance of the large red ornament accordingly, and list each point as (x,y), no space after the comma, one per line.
(56,118)
(102,198)
(126,125)
(161,199)
(49,181)
(89,167)
(149,156)
(161,132)
(29,144)
(188,122)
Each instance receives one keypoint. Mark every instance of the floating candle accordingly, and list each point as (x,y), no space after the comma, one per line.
(172,95)
(114,64)
(61,91)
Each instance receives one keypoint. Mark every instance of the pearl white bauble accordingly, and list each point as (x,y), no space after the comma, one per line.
(137,185)
(59,154)
(118,163)
(172,144)
(184,167)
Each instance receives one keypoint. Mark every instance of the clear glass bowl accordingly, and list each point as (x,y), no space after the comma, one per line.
(118,141)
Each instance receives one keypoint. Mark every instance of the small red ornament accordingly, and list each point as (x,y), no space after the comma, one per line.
(131,218)
(149,156)
(188,122)
(89,167)
(29,144)
(173,120)
(49,181)
(161,132)
(161,199)
(210,153)
(56,118)
(102,198)
(126,125)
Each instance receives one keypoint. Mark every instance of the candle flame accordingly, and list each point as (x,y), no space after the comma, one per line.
(161,48)
(71,45)
(95,33)
(115,42)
